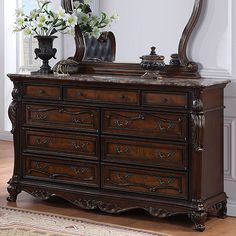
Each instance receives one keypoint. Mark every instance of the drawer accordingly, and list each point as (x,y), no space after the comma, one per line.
(145,124)
(62,117)
(80,173)
(147,181)
(61,144)
(165,99)
(102,96)
(40,91)
(144,153)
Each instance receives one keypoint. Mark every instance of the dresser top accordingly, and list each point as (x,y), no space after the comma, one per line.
(114,79)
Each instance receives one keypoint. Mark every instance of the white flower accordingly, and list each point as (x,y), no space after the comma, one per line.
(41,18)
(87,1)
(82,17)
(19,12)
(115,17)
(20,22)
(76,4)
(96,32)
(61,13)
(71,20)
(27,31)
(34,13)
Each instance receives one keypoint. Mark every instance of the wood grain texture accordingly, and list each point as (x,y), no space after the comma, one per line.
(177,226)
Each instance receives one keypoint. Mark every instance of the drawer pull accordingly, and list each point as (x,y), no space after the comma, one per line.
(80,146)
(166,155)
(126,121)
(126,180)
(121,150)
(41,92)
(164,126)
(124,97)
(42,142)
(80,94)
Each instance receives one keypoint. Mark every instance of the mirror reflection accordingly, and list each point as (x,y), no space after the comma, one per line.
(143,24)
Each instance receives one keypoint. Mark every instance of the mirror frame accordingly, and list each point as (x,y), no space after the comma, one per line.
(186,68)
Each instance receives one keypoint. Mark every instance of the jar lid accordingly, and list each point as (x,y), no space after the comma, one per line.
(153,56)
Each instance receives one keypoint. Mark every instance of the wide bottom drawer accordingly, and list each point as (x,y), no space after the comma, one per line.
(146,181)
(73,172)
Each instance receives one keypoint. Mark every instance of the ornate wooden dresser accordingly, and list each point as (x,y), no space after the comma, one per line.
(120,142)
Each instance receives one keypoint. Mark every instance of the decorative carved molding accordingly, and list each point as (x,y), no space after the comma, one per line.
(42,195)
(13,190)
(12,113)
(198,125)
(182,51)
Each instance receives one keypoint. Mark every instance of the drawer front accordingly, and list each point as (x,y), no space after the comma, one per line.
(62,117)
(144,153)
(168,184)
(145,124)
(165,99)
(44,92)
(102,95)
(81,173)
(62,144)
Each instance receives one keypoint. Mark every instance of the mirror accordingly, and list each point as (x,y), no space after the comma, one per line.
(143,24)
(165,24)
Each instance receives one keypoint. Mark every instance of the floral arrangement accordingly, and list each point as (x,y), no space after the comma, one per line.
(46,22)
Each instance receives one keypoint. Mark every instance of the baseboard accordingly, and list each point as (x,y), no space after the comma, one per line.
(231,208)
(6,136)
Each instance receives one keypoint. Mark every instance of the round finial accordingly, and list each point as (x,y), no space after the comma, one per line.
(153,51)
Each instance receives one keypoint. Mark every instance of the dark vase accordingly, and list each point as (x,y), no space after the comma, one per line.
(80,45)
(45,52)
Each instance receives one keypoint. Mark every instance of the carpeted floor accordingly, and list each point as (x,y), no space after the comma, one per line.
(15,222)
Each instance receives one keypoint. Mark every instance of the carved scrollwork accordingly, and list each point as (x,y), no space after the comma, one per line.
(158,212)
(93,204)
(12,113)
(13,190)
(42,195)
(198,125)
(124,180)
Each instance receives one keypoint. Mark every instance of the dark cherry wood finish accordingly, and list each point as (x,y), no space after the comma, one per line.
(120,143)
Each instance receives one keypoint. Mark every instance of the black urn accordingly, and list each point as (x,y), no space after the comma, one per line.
(45,52)
(152,64)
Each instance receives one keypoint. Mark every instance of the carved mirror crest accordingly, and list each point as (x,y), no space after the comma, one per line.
(180,65)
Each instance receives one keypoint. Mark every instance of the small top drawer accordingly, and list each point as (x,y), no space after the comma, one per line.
(42,91)
(101,96)
(155,98)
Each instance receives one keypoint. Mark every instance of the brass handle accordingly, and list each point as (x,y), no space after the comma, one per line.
(121,150)
(124,97)
(41,92)
(162,128)
(166,155)
(80,94)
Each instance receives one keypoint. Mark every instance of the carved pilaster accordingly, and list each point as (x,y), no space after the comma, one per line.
(12,110)
(198,125)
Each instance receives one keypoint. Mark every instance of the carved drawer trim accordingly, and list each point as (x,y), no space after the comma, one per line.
(61,144)
(142,152)
(61,117)
(146,181)
(79,173)
(145,124)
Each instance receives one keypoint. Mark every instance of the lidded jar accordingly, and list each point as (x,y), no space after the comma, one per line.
(152,64)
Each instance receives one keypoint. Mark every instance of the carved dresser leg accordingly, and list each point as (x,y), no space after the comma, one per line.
(199,219)
(222,213)
(13,192)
